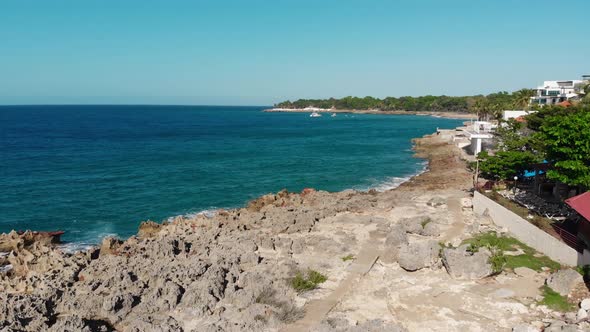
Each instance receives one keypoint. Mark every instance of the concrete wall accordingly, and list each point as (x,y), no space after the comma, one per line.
(529,233)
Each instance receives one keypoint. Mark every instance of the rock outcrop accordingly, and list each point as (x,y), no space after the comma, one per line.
(461,264)
(206,272)
(419,255)
(564,281)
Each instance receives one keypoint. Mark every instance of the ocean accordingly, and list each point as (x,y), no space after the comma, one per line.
(94,171)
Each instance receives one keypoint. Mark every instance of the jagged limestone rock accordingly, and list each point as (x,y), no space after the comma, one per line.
(564,281)
(419,255)
(461,264)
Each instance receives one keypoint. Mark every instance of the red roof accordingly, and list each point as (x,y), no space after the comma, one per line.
(565,103)
(581,204)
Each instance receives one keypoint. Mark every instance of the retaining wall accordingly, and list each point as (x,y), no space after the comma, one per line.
(529,233)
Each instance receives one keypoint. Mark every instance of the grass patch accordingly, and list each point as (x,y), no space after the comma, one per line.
(555,301)
(347,258)
(307,281)
(425,222)
(498,245)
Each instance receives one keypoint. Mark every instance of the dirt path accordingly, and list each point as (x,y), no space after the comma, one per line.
(316,311)
(456,218)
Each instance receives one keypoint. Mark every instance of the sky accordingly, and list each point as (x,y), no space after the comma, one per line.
(255,52)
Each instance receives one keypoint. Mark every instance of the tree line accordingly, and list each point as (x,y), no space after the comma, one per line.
(485,105)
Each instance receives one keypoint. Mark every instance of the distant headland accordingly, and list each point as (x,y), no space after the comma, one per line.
(443,106)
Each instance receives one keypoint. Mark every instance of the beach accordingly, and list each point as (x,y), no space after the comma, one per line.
(378,253)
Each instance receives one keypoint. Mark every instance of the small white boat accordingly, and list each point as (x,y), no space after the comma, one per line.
(315,115)
(333,115)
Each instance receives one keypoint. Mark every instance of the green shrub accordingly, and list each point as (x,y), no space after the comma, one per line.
(472,248)
(307,281)
(498,260)
(425,222)
(347,258)
(316,277)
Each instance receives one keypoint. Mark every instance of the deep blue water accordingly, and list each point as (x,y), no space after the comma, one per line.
(98,170)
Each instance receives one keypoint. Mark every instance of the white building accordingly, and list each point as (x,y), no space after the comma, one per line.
(554,92)
(480,135)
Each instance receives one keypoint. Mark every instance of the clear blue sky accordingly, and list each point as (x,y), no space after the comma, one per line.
(260,52)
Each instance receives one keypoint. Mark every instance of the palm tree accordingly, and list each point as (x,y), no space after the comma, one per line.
(480,107)
(522,98)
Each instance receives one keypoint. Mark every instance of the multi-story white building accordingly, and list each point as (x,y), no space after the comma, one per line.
(554,92)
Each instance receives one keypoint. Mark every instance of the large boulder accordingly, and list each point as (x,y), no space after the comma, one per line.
(396,238)
(419,255)
(564,281)
(461,264)
(431,229)
(413,225)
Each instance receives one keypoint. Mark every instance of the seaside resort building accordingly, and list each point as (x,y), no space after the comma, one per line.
(555,92)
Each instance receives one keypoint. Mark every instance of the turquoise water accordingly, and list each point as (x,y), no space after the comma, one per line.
(99,170)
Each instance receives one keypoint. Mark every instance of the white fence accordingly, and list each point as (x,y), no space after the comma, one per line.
(529,233)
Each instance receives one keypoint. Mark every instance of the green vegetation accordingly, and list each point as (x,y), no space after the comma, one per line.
(566,142)
(504,165)
(425,222)
(499,261)
(489,106)
(515,153)
(557,134)
(347,258)
(555,301)
(307,281)
(583,270)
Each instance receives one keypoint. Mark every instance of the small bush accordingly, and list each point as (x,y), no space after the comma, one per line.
(347,258)
(555,301)
(498,260)
(425,222)
(472,248)
(316,277)
(308,281)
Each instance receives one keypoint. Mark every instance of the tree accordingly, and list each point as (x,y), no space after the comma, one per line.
(566,140)
(585,93)
(515,153)
(504,165)
(522,98)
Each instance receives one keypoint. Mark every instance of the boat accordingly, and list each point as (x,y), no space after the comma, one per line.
(315,115)
(333,115)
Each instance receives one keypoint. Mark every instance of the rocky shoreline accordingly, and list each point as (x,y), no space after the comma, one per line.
(309,261)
